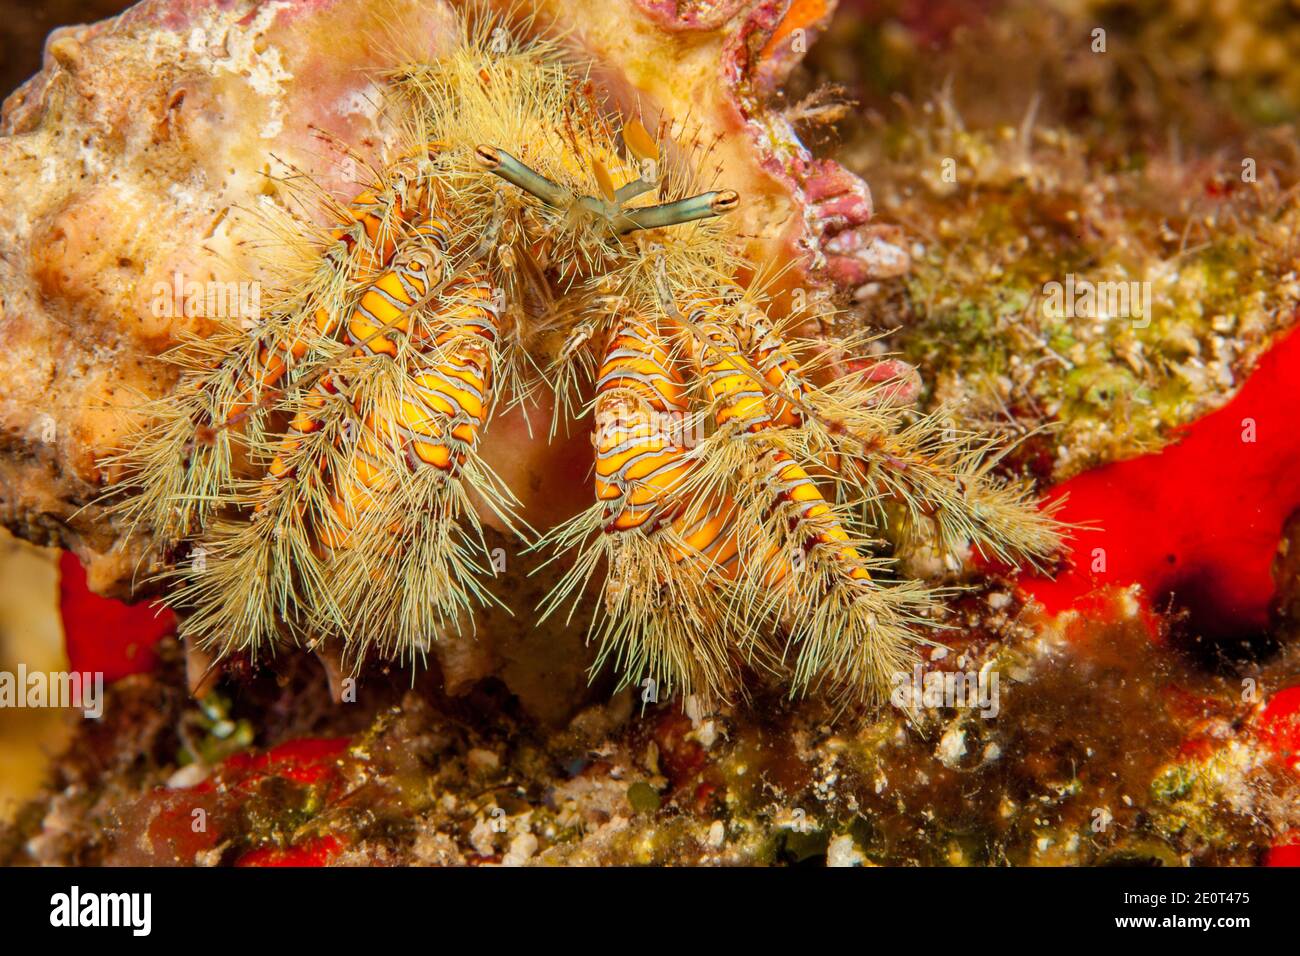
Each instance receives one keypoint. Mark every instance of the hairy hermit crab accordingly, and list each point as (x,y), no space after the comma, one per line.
(517,233)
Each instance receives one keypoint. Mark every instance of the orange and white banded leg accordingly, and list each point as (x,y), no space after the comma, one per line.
(410,560)
(800,569)
(661,618)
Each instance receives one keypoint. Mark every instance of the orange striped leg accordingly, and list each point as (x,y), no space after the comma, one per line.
(640,397)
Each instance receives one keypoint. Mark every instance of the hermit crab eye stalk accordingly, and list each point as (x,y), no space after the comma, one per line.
(703,206)
(519,174)
(621,221)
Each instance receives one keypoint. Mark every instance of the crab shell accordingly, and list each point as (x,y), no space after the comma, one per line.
(125,161)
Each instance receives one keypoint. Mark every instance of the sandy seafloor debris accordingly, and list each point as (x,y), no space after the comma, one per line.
(1106,748)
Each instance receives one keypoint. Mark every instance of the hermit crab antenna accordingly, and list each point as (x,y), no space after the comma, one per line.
(622,221)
